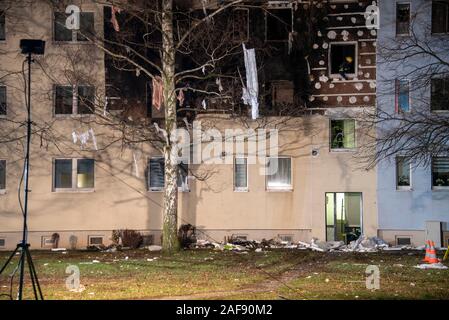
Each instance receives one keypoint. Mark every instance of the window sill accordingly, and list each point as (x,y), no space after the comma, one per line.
(73,116)
(74,191)
(439,111)
(162,190)
(242,190)
(342,150)
(404,189)
(56,42)
(403,35)
(350,76)
(2,191)
(280,190)
(440,189)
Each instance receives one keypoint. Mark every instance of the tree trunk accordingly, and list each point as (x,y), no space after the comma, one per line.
(170,243)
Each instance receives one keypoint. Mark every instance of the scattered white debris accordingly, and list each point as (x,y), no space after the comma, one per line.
(154,248)
(58,249)
(431,266)
(95,261)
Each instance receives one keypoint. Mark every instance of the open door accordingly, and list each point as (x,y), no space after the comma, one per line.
(343,216)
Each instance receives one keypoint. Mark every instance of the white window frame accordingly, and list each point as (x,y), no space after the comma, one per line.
(74,187)
(74,32)
(161,189)
(330,136)
(3,191)
(396,18)
(279,189)
(75,101)
(283,5)
(240,189)
(403,188)
(356,59)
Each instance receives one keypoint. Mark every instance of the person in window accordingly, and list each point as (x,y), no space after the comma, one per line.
(339,138)
(346,67)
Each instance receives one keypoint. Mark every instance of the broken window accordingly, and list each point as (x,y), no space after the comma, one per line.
(403,173)
(278,24)
(71,100)
(2,175)
(240,25)
(61,33)
(343,59)
(73,174)
(440,172)
(279,173)
(402,18)
(440,94)
(156,175)
(402,96)
(440,16)
(2,26)
(240,174)
(342,134)
(2,101)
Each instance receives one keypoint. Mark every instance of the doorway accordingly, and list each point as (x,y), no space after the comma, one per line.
(344,216)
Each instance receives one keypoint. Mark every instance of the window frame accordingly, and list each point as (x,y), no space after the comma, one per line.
(356,59)
(279,189)
(89,237)
(330,136)
(410,186)
(397,95)
(4,25)
(445,79)
(246,10)
(283,5)
(437,188)
(447,20)
(3,191)
(161,189)
(6,101)
(74,39)
(4,242)
(240,189)
(396,18)
(74,188)
(75,101)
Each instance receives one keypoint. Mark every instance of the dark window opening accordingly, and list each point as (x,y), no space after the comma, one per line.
(156,174)
(2,174)
(2,101)
(86,96)
(240,25)
(402,18)
(2,26)
(402,241)
(440,17)
(278,24)
(87,28)
(440,172)
(440,94)
(64,100)
(61,33)
(63,174)
(343,59)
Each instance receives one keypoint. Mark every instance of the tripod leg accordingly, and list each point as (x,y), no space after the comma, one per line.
(30,267)
(9,259)
(34,277)
(22,273)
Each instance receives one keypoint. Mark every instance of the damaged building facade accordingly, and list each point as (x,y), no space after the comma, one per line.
(316,76)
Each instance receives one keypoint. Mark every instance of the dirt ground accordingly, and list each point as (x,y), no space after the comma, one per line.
(208,274)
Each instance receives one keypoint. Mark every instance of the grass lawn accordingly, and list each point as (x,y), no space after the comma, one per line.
(207,274)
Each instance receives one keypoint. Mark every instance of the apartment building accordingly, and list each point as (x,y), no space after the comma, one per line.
(86,183)
(413,198)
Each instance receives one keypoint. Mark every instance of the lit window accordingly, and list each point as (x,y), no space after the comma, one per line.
(440,17)
(402,96)
(440,172)
(402,19)
(73,174)
(342,135)
(2,101)
(156,175)
(403,173)
(279,174)
(343,60)
(2,175)
(61,33)
(240,174)
(278,24)
(440,94)
(71,100)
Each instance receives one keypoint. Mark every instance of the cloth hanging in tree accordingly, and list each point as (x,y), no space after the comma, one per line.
(114,11)
(157,93)
(251,91)
(180,97)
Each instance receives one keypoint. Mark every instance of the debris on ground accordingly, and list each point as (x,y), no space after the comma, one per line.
(425,266)
(154,248)
(58,249)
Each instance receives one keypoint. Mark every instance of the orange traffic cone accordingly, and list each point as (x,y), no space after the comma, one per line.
(431,255)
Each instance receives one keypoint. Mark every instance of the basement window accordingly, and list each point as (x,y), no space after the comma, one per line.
(95,240)
(2,176)
(47,242)
(73,100)
(403,173)
(342,134)
(402,96)
(156,175)
(440,17)
(279,173)
(279,24)
(403,241)
(2,26)
(2,242)
(343,60)
(240,25)
(73,174)
(440,173)
(2,100)
(402,19)
(440,94)
(62,34)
